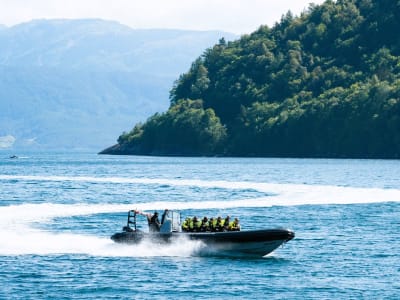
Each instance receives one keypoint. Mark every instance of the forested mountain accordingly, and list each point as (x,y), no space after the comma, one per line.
(76,84)
(322,84)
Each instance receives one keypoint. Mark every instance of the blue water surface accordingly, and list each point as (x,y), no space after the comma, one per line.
(58,210)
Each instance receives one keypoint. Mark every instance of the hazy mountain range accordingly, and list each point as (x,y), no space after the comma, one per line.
(77,84)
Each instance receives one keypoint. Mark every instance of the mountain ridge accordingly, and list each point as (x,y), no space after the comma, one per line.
(98,77)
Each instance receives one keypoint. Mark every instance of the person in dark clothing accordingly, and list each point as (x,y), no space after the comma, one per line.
(154,222)
(212,224)
(220,224)
(195,225)
(204,225)
(226,223)
(165,214)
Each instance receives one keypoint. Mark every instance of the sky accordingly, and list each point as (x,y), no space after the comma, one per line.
(236,16)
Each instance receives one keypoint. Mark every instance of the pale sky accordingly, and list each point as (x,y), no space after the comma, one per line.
(237,16)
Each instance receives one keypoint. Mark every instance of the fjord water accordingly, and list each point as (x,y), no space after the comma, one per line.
(57,212)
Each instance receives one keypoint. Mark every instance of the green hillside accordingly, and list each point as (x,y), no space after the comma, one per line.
(322,84)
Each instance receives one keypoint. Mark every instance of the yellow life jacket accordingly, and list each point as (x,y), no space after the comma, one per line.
(186,224)
(212,224)
(233,226)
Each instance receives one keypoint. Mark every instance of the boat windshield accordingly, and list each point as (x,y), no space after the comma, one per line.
(171,221)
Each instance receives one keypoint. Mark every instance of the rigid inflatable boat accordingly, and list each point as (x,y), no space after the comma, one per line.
(230,243)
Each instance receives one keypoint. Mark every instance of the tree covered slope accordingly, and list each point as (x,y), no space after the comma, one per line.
(322,84)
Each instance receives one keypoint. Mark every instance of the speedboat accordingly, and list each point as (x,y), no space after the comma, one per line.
(227,243)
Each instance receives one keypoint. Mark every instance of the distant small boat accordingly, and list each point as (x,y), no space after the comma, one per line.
(13,156)
(230,243)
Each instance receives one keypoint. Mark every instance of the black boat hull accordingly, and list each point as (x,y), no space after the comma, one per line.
(236,243)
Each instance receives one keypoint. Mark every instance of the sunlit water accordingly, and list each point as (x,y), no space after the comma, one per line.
(57,212)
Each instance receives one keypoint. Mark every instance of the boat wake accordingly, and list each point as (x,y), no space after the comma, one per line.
(47,243)
(278,194)
(19,235)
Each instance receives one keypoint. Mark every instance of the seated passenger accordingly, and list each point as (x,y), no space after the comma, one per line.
(195,225)
(234,225)
(186,224)
(204,225)
(219,226)
(226,223)
(212,224)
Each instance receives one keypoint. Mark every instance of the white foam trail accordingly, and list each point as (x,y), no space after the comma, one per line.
(283,194)
(18,237)
(45,243)
(323,195)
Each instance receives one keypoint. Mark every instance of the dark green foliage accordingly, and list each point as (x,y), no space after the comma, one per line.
(185,129)
(324,84)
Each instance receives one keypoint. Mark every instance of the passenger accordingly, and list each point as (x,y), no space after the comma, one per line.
(204,225)
(226,223)
(212,224)
(195,225)
(219,225)
(165,214)
(154,222)
(234,225)
(186,224)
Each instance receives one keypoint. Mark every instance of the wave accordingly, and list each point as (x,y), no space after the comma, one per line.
(279,194)
(18,236)
(45,243)
(287,195)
